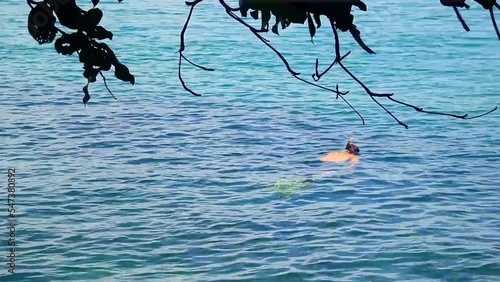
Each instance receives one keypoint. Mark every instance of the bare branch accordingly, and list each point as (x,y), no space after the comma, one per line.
(492,15)
(465,26)
(106,85)
(183,47)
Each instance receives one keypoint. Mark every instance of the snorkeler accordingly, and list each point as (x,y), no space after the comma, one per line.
(351,148)
(351,154)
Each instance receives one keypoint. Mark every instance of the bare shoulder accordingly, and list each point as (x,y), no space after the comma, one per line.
(335,157)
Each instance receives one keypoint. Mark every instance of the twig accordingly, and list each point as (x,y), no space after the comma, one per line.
(198,66)
(494,22)
(465,26)
(183,47)
(32,2)
(105,84)
(418,109)
(229,11)
(287,65)
(337,91)
(389,96)
(317,76)
(256,33)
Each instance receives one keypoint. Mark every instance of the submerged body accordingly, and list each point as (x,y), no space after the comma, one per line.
(350,155)
(339,157)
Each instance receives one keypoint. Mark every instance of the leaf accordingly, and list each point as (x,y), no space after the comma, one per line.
(360,5)
(284,24)
(85,57)
(41,24)
(244,11)
(90,73)
(100,33)
(297,16)
(106,64)
(317,19)
(92,18)
(275,29)
(77,40)
(64,49)
(86,97)
(122,73)
(312,28)
(69,14)
(266,17)
(95,2)
(254,14)
(356,34)
(110,55)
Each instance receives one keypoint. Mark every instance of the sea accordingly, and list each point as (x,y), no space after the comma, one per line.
(162,185)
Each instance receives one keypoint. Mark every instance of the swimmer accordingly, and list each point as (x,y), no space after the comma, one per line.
(350,154)
(351,148)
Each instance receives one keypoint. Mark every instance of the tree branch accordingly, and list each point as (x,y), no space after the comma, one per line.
(492,15)
(457,12)
(389,96)
(183,47)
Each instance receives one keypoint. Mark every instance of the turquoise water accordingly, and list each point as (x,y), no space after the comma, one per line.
(160,185)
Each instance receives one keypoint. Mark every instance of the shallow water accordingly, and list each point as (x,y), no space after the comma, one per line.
(161,185)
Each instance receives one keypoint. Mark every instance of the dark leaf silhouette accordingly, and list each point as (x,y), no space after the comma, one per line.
(454,3)
(312,28)
(100,33)
(98,57)
(63,45)
(70,15)
(86,97)
(317,19)
(254,14)
(266,17)
(41,24)
(487,4)
(122,73)
(90,73)
(92,18)
(274,29)
(340,17)
(360,5)
(356,34)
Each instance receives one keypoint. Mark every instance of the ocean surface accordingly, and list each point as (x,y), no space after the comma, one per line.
(160,185)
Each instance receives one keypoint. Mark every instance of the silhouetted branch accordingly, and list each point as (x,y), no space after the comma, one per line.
(255,32)
(465,26)
(106,85)
(287,65)
(31,3)
(389,96)
(494,22)
(418,109)
(84,31)
(317,76)
(232,15)
(196,65)
(183,47)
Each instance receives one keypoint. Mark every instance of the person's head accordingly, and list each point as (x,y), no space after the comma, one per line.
(351,148)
